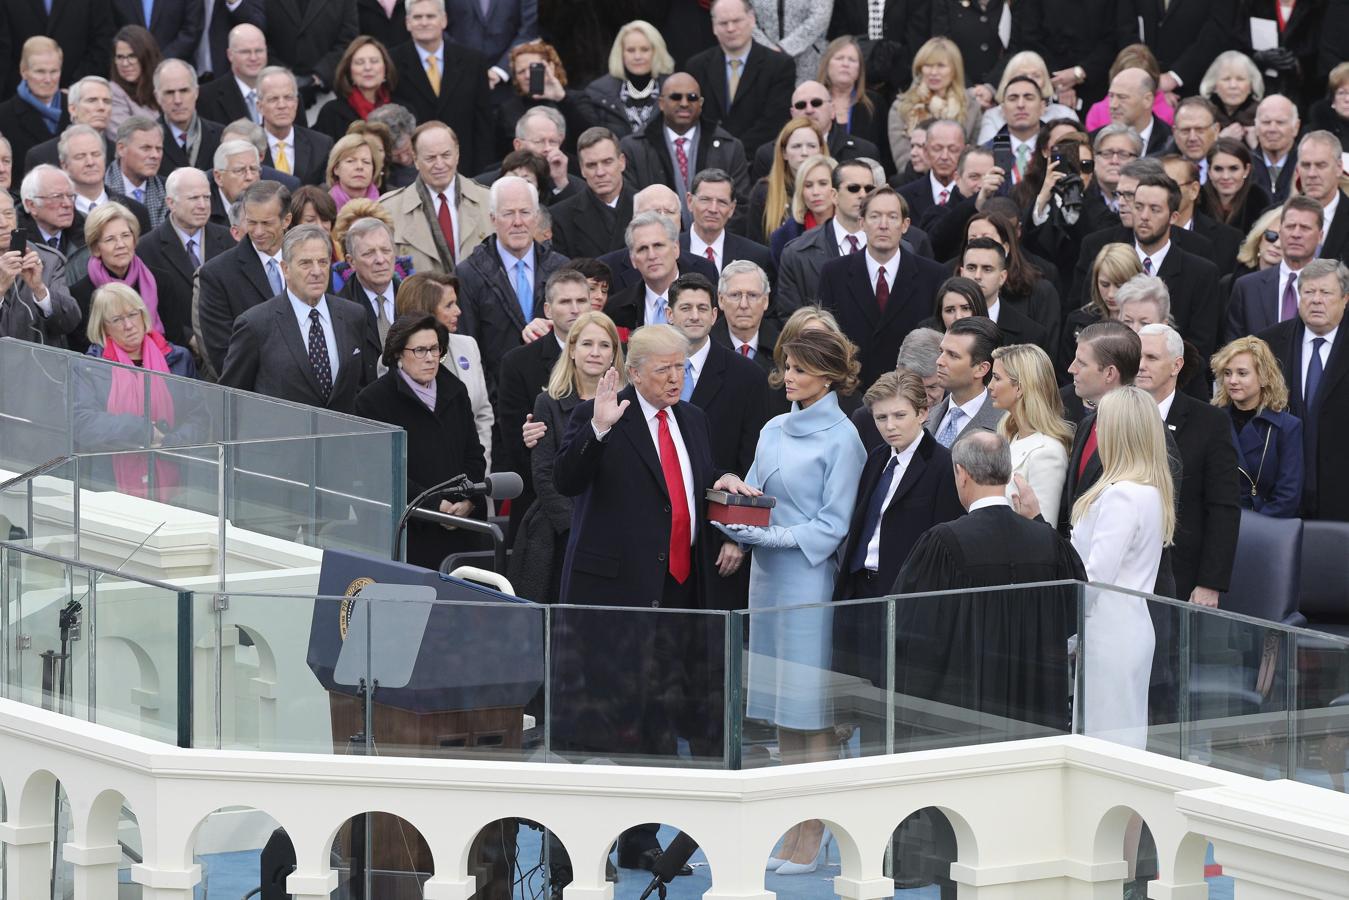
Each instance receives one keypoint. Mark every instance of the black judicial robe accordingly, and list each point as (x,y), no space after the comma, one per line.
(1002,653)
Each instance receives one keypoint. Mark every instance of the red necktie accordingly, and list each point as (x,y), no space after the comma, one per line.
(683,159)
(744,350)
(1088,450)
(446,225)
(943,197)
(680,527)
(711,255)
(882,289)
(852,242)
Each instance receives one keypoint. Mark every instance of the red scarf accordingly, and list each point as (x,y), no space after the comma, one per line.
(810,221)
(127,397)
(356,100)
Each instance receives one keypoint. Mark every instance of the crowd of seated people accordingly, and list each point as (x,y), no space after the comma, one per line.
(836,241)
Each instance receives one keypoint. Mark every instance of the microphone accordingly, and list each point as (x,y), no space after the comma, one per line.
(669,864)
(497,486)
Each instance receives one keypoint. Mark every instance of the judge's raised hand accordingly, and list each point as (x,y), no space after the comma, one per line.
(1024,500)
(608,410)
(732,483)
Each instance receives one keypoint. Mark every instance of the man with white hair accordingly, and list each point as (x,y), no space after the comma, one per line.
(38,306)
(1206,529)
(1275,157)
(90,101)
(292,148)
(368,246)
(189,140)
(653,247)
(83,156)
(659,199)
(177,248)
(48,197)
(235,166)
(543,130)
(140,152)
(501,283)
(1320,167)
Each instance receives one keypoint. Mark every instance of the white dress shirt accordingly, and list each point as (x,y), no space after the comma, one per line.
(654,304)
(937,188)
(901,460)
(1157,258)
(1329,210)
(891,270)
(384,299)
(841,241)
(970,409)
(698,359)
(199,236)
(1307,338)
(752,343)
(264,259)
(994,308)
(439,54)
(1146,133)
(83,205)
(289,139)
(1164,405)
(301,310)
(698,247)
(985,502)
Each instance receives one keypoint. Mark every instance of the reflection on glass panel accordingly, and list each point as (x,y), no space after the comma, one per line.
(34,406)
(1167,677)
(1321,714)
(39,511)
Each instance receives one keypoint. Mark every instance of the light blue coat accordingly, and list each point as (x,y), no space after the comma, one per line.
(811,461)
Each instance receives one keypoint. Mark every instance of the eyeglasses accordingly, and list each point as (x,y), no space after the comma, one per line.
(241,171)
(55,198)
(125,57)
(124,320)
(1271,236)
(691,96)
(864,188)
(743,296)
(1117,154)
(813,103)
(423,353)
(1123,195)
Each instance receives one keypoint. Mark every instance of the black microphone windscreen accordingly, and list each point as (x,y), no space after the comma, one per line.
(504,485)
(674,857)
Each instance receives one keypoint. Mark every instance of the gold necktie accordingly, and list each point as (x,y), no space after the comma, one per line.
(433,74)
(735,79)
(282,162)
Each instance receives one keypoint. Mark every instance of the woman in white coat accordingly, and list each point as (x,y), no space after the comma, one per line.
(1022,383)
(1120,525)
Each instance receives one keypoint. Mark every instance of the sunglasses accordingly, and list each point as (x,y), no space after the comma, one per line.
(814,103)
(1271,236)
(864,188)
(691,96)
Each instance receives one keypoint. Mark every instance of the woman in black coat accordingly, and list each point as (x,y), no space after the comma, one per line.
(424,398)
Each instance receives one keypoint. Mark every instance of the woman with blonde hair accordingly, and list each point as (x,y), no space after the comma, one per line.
(592,347)
(938,92)
(1022,383)
(811,460)
(771,198)
(1120,525)
(624,100)
(353,165)
(1114,265)
(1261,248)
(813,198)
(1249,384)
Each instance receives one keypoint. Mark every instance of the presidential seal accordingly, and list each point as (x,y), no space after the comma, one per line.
(344,613)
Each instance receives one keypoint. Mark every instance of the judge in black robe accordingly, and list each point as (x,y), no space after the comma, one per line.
(995,653)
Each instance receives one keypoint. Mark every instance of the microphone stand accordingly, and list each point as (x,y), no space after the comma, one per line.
(491,529)
(458,482)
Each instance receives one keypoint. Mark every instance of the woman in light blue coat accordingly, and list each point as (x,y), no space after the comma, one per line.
(811,460)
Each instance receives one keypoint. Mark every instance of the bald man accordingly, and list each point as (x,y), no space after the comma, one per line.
(227,97)
(1275,157)
(656,198)
(1132,93)
(677,145)
(813,100)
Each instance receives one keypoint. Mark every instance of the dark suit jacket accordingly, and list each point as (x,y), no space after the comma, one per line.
(1068,33)
(1206,529)
(1254,305)
(735,247)
(1185,36)
(25,128)
(620,533)
(176,24)
(524,375)
(624,276)
(1092,244)
(1158,139)
(71,239)
(926,496)
(374,347)
(463,103)
(310,38)
(649,160)
(1193,283)
(1225,239)
(83,28)
(918,194)
(768,338)
(228,285)
(733,392)
(220,101)
(585,226)
(762,99)
(311,156)
(175,157)
(506,24)
(846,290)
(1281,187)
(222,20)
(1019,328)
(164,253)
(389,30)
(1335,244)
(268,355)
(1325,425)
(905,25)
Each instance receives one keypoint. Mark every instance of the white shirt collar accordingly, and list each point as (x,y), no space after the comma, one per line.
(438,53)
(937,187)
(82,203)
(185,236)
(841,236)
(288,137)
(1329,210)
(385,296)
(129,181)
(699,358)
(698,247)
(1157,257)
(302,309)
(1146,133)
(1308,336)
(244,89)
(736,343)
(648,411)
(891,269)
(1017,143)
(1164,407)
(691,136)
(971,407)
(654,302)
(995,308)
(264,258)
(985,502)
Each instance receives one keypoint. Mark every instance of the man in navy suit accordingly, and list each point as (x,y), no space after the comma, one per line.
(945,145)
(1263,299)
(492,28)
(880,295)
(711,202)
(176,24)
(1276,128)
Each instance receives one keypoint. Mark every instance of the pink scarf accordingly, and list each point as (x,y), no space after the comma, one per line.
(138,278)
(127,397)
(340,197)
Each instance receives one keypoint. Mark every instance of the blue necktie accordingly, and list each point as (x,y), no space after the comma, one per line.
(48,4)
(873,518)
(687,392)
(140,195)
(274,277)
(948,434)
(659,318)
(149,6)
(524,291)
(1314,369)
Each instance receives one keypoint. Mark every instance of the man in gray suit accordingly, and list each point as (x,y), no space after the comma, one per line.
(799,267)
(964,367)
(492,28)
(302,345)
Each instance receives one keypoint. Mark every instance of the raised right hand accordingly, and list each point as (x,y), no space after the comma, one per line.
(607,408)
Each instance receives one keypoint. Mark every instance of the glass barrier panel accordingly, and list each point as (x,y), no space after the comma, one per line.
(636,686)
(38,512)
(1170,677)
(1238,693)
(46,607)
(1320,716)
(984,665)
(35,422)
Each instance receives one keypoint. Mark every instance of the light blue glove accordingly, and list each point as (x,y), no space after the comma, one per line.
(773,537)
